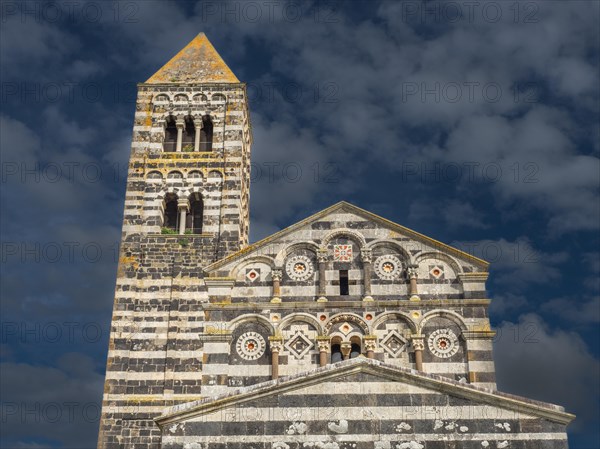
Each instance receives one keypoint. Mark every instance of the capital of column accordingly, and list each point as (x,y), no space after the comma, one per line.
(276,343)
(366,255)
(198,123)
(323,343)
(418,342)
(413,271)
(371,342)
(276,275)
(183,203)
(346,347)
(322,255)
(180,122)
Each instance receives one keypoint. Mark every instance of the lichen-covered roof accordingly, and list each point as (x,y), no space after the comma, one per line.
(197,62)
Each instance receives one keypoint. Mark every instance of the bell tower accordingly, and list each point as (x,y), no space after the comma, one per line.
(186,206)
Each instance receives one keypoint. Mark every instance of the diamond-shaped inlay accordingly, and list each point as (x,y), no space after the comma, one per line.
(252,274)
(436,271)
(394,343)
(342,253)
(299,344)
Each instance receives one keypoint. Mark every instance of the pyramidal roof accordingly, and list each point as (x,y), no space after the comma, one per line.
(197,62)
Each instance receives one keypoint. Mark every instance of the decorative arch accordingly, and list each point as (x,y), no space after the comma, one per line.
(357,236)
(302,317)
(251,317)
(285,252)
(391,315)
(382,242)
(200,98)
(175,174)
(195,174)
(181,98)
(257,258)
(440,256)
(162,98)
(449,314)
(351,317)
(218,97)
(154,175)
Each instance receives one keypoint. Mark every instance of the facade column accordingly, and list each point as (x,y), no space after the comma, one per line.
(367,258)
(370,345)
(346,347)
(276,347)
(276,278)
(418,345)
(197,127)
(183,205)
(180,123)
(322,259)
(323,344)
(413,289)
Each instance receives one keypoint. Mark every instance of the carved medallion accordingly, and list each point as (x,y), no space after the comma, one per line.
(251,345)
(443,343)
(299,268)
(388,267)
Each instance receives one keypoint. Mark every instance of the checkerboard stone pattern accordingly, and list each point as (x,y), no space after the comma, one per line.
(342,331)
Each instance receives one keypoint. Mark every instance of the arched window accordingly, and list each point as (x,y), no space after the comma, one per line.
(170,143)
(355,350)
(171,216)
(206,135)
(336,353)
(189,135)
(194,218)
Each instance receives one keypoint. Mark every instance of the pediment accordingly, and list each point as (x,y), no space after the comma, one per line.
(363,227)
(370,380)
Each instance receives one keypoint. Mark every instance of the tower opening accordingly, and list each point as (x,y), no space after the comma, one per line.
(189,134)
(170,143)
(344,288)
(196,215)
(336,353)
(171,217)
(355,351)
(206,134)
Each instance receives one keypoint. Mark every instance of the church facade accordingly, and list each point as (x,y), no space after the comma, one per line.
(342,331)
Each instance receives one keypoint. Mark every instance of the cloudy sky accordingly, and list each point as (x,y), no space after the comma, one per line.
(473,122)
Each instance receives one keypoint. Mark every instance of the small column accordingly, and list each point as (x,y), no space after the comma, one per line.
(198,127)
(413,290)
(367,257)
(183,205)
(322,259)
(276,347)
(276,277)
(370,345)
(180,123)
(418,345)
(346,347)
(323,343)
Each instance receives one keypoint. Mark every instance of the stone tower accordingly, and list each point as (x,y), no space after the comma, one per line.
(186,206)
(342,331)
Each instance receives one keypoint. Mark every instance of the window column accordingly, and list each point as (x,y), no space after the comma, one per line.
(323,344)
(322,259)
(276,278)
(183,205)
(198,125)
(370,345)
(276,344)
(418,345)
(367,258)
(413,290)
(180,123)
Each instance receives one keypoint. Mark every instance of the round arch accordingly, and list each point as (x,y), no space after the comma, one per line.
(449,314)
(403,251)
(258,258)
(440,256)
(285,252)
(302,317)
(391,315)
(357,236)
(351,317)
(249,318)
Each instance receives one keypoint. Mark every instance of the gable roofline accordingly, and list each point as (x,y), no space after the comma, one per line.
(359,211)
(441,384)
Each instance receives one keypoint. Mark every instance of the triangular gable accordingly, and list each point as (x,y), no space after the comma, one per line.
(197,62)
(343,205)
(371,367)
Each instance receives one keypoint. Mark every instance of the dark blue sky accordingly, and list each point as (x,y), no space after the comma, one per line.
(475,123)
